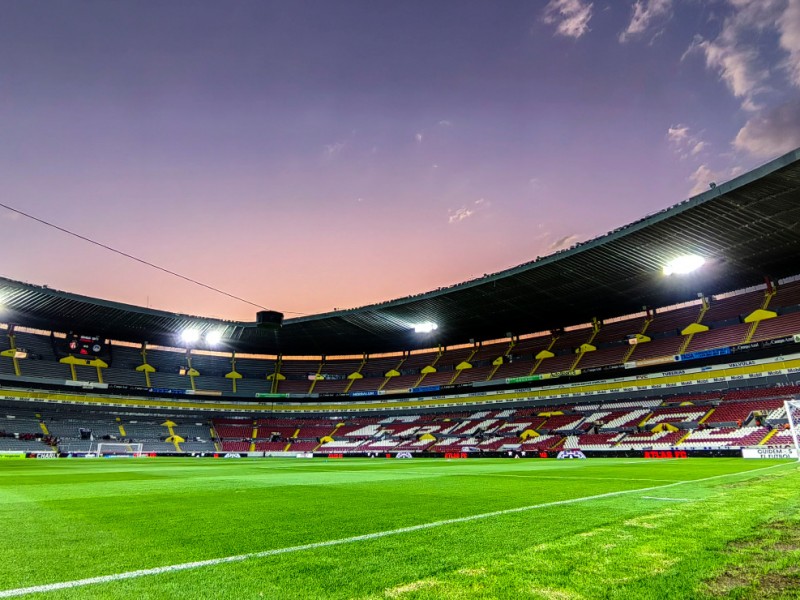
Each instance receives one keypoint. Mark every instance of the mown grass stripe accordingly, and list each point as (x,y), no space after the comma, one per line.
(51,587)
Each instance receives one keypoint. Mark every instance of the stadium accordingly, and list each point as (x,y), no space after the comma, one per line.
(400,300)
(411,448)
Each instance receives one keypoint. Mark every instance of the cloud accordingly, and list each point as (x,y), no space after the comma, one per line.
(789,28)
(736,52)
(677,134)
(772,132)
(684,142)
(335,148)
(563,242)
(698,148)
(418,136)
(571,17)
(445,123)
(465,212)
(460,214)
(645,14)
(702,178)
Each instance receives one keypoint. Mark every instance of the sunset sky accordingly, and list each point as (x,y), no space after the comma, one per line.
(308,155)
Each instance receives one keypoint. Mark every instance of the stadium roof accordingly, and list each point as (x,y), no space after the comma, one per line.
(746,229)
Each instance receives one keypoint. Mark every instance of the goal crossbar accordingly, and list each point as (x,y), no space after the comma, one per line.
(119,449)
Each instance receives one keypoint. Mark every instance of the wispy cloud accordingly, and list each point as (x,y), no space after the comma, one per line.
(334,148)
(736,53)
(563,242)
(702,178)
(771,132)
(571,17)
(467,211)
(419,137)
(646,15)
(684,142)
(445,123)
(460,214)
(789,28)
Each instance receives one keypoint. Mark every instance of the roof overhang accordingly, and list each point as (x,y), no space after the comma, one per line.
(747,229)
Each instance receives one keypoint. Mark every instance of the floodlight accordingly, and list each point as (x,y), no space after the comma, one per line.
(684,264)
(213,337)
(425,327)
(190,336)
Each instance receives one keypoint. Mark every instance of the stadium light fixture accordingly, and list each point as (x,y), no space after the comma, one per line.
(684,264)
(425,327)
(190,336)
(213,337)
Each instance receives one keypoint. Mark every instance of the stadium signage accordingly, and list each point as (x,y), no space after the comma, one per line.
(665,454)
(404,455)
(456,455)
(565,454)
(44,455)
(766,452)
(11,455)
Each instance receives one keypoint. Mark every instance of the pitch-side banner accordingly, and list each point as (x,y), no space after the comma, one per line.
(769,453)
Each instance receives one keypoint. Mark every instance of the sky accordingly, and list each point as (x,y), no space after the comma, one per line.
(313,155)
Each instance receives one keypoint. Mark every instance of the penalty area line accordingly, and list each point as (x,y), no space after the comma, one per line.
(64,585)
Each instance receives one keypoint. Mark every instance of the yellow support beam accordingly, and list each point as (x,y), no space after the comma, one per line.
(498,363)
(586,346)
(431,368)
(690,330)
(43,427)
(541,356)
(468,361)
(234,376)
(317,376)
(706,416)
(191,372)
(144,367)
(352,379)
(763,313)
(396,370)
(632,349)
(767,437)
(273,388)
(12,340)
(683,437)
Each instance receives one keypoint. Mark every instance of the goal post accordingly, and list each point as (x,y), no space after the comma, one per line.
(119,449)
(793,416)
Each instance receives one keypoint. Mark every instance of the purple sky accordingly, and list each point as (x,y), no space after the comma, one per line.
(311,155)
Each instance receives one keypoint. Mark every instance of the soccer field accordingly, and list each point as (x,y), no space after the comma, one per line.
(357,528)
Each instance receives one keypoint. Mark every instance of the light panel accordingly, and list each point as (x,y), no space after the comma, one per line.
(190,336)
(425,327)
(213,337)
(684,264)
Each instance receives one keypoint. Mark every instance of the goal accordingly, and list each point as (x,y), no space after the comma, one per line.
(793,415)
(119,449)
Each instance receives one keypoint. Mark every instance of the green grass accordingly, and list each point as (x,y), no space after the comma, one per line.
(736,536)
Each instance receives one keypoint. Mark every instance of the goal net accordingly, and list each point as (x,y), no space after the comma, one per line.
(119,449)
(793,416)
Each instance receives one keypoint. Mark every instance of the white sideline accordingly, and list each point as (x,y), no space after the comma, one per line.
(51,587)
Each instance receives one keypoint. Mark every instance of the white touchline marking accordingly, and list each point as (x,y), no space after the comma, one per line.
(672,499)
(540,476)
(63,585)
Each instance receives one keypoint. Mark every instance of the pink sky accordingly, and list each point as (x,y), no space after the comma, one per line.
(311,157)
